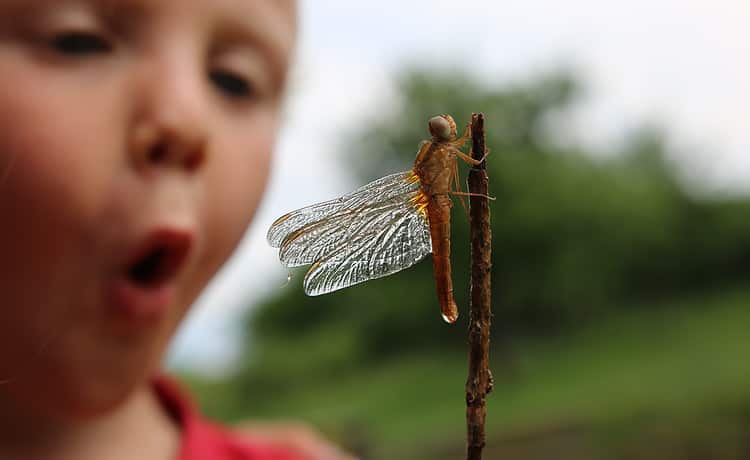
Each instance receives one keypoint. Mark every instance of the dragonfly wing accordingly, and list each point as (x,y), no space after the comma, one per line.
(388,238)
(378,190)
(323,237)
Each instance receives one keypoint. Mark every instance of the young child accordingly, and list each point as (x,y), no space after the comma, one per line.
(135,141)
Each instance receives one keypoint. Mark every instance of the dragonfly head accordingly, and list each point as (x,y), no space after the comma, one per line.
(442,128)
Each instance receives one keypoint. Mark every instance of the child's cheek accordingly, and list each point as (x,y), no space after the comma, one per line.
(52,184)
(236,180)
(58,148)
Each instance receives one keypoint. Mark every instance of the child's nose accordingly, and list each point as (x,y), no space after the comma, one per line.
(168,145)
(169,129)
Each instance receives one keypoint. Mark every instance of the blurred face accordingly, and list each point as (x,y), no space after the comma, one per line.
(135,139)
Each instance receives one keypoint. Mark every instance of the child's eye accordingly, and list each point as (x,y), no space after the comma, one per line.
(80,43)
(231,84)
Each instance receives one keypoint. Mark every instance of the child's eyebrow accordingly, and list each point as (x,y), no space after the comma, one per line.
(132,9)
(274,38)
(256,24)
(269,25)
(10,8)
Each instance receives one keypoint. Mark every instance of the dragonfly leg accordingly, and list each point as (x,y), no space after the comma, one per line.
(465,137)
(468,159)
(472,194)
(457,181)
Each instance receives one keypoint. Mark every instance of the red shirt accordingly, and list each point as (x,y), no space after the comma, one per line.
(204,440)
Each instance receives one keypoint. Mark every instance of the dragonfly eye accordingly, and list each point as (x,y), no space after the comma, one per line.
(440,128)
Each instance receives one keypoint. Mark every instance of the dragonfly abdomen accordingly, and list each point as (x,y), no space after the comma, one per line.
(439,212)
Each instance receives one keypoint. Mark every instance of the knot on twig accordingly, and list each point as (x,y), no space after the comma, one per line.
(475,400)
(483,266)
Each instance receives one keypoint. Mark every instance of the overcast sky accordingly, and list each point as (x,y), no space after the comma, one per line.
(683,64)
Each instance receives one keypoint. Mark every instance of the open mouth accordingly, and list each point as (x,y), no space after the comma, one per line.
(160,258)
(146,286)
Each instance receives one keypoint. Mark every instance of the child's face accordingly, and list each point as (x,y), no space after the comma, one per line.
(126,127)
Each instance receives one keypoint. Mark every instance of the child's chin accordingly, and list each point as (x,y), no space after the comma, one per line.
(74,399)
(94,380)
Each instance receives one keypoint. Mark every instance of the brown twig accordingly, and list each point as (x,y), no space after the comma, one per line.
(479,382)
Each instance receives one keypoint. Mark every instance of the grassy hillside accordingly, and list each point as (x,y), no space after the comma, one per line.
(605,385)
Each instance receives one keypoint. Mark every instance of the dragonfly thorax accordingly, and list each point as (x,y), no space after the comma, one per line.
(435,169)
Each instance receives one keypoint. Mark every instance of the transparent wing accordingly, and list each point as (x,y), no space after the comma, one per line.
(382,239)
(319,239)
(376,191)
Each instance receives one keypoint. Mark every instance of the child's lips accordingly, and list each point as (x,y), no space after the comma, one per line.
(145,287)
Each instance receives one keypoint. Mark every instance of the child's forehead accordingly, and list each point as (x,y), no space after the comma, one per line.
(270,24)
(279,14)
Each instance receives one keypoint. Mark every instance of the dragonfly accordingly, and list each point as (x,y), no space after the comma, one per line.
(385,226)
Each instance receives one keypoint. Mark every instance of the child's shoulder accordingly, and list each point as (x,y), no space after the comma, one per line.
(203,439)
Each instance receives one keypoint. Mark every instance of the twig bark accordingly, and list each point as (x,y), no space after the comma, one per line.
(479,381)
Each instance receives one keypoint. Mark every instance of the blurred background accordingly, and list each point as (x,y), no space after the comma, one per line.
(621,235)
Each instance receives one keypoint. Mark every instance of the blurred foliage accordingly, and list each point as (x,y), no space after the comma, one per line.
(579,237)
